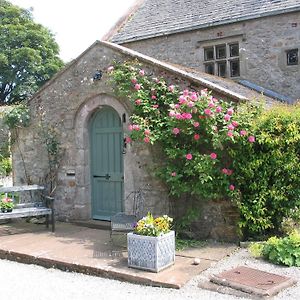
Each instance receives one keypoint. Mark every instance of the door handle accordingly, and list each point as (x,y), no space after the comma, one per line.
(106,176)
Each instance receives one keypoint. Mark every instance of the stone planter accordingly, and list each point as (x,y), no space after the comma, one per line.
(151,253)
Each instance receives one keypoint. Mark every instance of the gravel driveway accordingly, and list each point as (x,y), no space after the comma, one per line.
(29,282)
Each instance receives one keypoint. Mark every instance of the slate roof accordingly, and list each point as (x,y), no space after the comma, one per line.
(163,17)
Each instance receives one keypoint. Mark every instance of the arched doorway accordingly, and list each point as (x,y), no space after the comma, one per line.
(107,172)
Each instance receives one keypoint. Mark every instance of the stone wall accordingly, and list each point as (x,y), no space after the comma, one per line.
(67,103)
(263,43)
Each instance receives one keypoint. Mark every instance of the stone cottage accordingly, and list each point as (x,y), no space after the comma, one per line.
(97,172)
(253,42)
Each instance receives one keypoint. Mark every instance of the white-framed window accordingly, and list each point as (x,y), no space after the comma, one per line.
(222,60)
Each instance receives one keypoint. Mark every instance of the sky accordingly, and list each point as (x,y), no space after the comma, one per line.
(76,24)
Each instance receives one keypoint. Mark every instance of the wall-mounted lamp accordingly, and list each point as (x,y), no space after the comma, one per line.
(97,75)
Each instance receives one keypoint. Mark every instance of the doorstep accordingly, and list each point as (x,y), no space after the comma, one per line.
(87,250)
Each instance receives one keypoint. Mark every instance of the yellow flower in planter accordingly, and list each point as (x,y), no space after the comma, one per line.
(151,226)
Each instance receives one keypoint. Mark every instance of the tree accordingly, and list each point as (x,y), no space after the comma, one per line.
(28,54)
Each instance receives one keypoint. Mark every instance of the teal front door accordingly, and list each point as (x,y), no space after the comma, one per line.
(106,138)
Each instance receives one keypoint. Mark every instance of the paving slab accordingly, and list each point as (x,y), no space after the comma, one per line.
(90,251)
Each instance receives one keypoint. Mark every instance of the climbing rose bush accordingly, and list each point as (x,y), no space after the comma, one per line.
(194,129)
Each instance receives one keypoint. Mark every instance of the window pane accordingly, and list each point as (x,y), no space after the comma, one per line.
(209,53)
(210,68)
(234,68)
(222,69)
(292,57)
(221,51)
(234,50)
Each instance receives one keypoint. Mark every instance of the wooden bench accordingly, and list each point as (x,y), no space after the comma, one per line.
(35,203)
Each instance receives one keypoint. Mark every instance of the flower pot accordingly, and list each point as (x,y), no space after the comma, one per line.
(150,252)
(3,209)
(9,210)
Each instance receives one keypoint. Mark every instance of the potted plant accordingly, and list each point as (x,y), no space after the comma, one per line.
(6,204)
(151,246)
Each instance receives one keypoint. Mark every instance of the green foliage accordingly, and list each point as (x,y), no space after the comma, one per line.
(182,244)
(291,222)
(28,54)
(283,251)
(6,203)
(12,195)
(214,149)
(50,137)
(184,223)
(5,166)
(192,129)
(256,249)
(17,117)
(267,172)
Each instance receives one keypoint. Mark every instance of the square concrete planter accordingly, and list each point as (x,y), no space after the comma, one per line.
(150,252)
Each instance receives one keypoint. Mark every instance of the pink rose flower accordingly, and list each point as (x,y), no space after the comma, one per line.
(227,117)
(243,132)
(191,104)
(211,104)
(185,93)
(173,174)
(142,72)
(230,127)
(128,140)
(232,187)
(147,132)
(176,130)
(235,123)
(138,101)
(224,171)
(134,80)
(230,111)
(186,116)
(213,155)
(203,92)
(230,133)
(172,113)
(218,109)
(146,139)
(196,137)
(136,127)
(207,111)
(182,100)
(196,124)
(130,127)
(189,156)
(194,96)
(153,97)
(251,139)
(137,87)
(229,172)
(171,88)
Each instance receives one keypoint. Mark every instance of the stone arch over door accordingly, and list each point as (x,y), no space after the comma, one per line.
(82,148)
